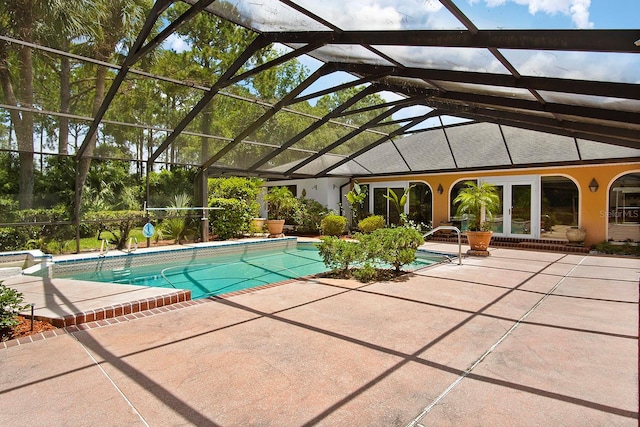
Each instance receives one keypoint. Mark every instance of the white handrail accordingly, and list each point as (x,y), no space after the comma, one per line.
(104,246)
(135,240)
(449,227)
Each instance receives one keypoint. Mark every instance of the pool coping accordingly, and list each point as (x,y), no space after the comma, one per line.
(86,321)
(117,301)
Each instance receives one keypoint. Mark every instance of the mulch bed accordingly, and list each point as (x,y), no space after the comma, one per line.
(23,329)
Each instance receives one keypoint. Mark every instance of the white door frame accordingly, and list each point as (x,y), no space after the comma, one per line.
(507,203)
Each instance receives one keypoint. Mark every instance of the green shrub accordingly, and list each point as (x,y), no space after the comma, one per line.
(14,238)
(237,197)
(393,246)
(366,273)
(11,302)
(620,249)
(333,225)
(8,207)
(49,237)
(310,215)
(234,187)
(339,254)
(233,220)
(371,223)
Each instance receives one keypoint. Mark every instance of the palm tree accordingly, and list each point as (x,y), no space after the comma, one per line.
(479,200)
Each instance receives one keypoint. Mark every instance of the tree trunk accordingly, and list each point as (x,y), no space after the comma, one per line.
(24,132)
(205,129)
(85,162)
(65,101)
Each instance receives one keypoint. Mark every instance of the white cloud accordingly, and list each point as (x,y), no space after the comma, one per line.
(375,16)
(378,14)
(569,65)
(578,10)
(176,43)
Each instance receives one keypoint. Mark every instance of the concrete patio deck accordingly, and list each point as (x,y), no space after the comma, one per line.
(517,338)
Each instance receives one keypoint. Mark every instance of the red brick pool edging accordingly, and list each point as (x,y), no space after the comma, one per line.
(153,306)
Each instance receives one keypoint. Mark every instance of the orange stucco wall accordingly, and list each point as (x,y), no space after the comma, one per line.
(593,205)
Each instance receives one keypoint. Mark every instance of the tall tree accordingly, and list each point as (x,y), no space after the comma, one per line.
(120,25)
(34,21)
(214,44)
(65,22)
(17,19)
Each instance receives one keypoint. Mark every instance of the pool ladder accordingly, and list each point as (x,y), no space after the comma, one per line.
(104,247)
(449,227)
(133,240)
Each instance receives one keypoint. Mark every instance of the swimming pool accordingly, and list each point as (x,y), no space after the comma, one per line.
(221,273)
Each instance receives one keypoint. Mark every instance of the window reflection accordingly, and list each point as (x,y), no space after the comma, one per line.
(624,209)
(559,201)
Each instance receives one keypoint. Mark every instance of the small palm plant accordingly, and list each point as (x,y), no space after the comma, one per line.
(176,225)
(479,200)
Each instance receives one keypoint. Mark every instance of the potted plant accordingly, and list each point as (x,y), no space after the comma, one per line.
(480,202)
(280,203)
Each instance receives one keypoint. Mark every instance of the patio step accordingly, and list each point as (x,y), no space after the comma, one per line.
(550,245)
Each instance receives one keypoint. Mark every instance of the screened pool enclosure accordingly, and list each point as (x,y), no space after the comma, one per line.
(104,96)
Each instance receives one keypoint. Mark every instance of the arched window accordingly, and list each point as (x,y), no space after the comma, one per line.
(454,193)
(624,208)
(559,206)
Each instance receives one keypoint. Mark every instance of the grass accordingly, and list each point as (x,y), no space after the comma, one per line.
(88,244)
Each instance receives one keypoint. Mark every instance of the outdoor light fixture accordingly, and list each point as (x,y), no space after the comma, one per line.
(440,189)
(593,185)
(637,43)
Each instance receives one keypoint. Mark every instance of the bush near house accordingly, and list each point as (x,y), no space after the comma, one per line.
(371,223)
(237,199)
(232,219)
(333,225)
(311,213)
(617,249)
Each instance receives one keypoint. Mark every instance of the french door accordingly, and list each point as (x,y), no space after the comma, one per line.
(519,215)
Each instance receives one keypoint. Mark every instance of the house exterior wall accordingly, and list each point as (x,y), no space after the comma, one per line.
(593,206)
(326,191)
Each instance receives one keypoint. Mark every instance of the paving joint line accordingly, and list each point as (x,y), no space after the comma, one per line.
(416,422)
(118,389)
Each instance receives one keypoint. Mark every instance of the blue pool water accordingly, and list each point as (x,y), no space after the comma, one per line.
(223,274)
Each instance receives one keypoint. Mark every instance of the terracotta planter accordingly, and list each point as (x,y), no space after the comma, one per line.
(576,235)
(275,226)
(479,240)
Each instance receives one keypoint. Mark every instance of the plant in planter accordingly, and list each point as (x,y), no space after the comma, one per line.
(280,203)
(481,202)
